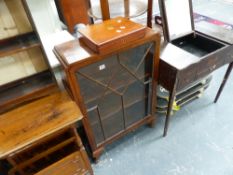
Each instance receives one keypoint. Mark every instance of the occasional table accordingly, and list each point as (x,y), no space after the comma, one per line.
(40,138)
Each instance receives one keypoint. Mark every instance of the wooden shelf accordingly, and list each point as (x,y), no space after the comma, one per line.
(119,109)
(27,89)
(144,79)
(18,43)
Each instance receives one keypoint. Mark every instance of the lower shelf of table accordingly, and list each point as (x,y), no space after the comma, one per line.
(26,89)
(58,154)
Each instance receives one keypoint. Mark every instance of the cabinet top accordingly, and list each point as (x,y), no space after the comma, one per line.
(76,51)
(29,123)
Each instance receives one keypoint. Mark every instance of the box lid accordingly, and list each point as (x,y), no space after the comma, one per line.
(177,18)
(110,30)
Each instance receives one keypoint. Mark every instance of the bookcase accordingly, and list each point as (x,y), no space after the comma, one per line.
(116,91)
(25,74)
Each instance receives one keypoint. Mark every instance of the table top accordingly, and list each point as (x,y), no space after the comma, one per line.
(74,52)
(31,122)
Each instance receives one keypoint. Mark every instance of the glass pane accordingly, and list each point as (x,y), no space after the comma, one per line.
(111,112)
(93,117)
(117,90)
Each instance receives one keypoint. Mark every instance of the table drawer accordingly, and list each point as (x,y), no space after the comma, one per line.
(208,65)
(70,165)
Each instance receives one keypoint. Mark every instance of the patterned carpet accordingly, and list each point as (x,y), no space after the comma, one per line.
(198,18)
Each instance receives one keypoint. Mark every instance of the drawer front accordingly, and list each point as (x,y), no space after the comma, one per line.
(209,64)
(70,165)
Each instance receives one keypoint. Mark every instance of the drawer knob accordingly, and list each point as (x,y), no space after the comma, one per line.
(213,67)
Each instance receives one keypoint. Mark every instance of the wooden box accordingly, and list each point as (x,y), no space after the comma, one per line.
(102,37)
(195,53)
(116,91)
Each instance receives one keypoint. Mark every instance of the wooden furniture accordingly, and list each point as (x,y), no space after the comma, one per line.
(189,54)
(116,90)
(39,138)
(105,10)
(25,74)
(73,12)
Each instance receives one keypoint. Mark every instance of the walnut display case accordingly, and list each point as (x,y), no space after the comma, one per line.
(116,91)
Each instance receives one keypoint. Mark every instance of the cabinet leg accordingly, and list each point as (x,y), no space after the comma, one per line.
(152,123)
(96,154)
(169,109)
(227,74)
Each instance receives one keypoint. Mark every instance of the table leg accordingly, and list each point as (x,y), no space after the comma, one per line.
(169,109)
(149,13)
(224,81)
(105,9)
(126,7)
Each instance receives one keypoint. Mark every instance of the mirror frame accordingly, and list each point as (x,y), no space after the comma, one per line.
(166,30)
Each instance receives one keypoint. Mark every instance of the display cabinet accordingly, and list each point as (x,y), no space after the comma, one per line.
(25,74)
(189,54)
(116,91)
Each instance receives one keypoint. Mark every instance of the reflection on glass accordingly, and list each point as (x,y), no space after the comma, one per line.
(178,17)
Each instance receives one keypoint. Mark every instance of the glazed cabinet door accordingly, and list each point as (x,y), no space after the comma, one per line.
(116,91)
